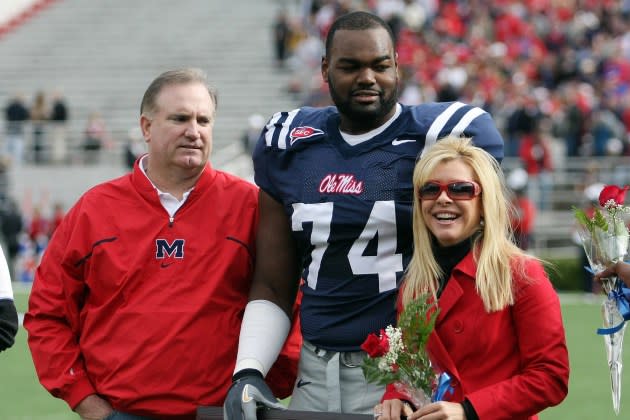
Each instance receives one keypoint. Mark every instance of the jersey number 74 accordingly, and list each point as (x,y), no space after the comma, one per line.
(382,222)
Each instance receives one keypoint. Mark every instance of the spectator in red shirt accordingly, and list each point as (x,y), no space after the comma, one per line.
(535,154)
(38,225)
(57,216)
(523,216)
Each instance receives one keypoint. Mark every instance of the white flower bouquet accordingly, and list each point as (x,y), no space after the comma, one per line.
(605,240)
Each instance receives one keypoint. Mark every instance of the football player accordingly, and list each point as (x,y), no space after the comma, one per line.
(335,209)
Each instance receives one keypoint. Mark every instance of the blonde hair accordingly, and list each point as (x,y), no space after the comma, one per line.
(493,248)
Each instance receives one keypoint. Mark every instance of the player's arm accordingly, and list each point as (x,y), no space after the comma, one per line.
(267,318)
(277,272)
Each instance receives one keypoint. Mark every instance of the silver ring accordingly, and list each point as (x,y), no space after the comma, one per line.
(377,415)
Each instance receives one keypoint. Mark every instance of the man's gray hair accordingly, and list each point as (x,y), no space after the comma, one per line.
(173,77)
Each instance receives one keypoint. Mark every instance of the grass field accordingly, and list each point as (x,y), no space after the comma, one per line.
(22,398)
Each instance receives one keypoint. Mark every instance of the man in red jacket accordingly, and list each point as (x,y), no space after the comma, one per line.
(136,307)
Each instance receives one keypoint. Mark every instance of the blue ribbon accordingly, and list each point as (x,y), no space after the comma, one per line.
(443,387)
(621,296)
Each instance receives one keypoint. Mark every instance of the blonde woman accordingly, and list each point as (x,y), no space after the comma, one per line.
(499,332)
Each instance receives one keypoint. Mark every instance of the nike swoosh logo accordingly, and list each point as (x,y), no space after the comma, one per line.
(245,396)
(397,142)
(164,265)
(302,383)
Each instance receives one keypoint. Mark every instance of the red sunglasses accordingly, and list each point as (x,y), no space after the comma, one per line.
(456,190)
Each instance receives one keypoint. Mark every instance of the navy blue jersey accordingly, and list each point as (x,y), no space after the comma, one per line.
(350,208)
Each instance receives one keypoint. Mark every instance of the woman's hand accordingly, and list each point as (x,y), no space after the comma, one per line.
(441,410)
(392,410)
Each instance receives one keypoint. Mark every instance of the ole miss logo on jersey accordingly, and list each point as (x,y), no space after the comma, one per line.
(304,132)
(340,184)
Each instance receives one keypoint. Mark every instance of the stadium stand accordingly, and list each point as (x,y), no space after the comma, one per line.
(102,54)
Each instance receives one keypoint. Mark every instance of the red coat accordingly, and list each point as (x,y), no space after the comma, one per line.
(509,364)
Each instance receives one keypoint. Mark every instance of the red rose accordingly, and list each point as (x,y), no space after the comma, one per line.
(376,346)
(612,192)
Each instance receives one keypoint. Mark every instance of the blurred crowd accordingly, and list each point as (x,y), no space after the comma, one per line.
(38,132)
(26,230)
(553,73)
(35,131)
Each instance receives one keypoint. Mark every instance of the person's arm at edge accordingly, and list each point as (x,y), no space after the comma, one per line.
(8,323)
(621,269)
(8,312)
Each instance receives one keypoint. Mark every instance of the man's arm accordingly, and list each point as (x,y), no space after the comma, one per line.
(277,271)
(52,320)
(268,314)
(267,318)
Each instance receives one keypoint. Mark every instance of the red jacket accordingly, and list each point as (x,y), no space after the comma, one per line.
(509,364)
(142,310)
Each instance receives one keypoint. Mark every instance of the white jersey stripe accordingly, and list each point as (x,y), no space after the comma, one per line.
(282,140)
(466,120)
(271,128)
(440,122)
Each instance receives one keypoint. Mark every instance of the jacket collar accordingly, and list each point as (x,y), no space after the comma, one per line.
(144,186)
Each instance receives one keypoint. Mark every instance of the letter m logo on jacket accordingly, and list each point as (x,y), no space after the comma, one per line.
(164,249)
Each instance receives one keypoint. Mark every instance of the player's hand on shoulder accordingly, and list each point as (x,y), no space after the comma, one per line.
(247,392)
